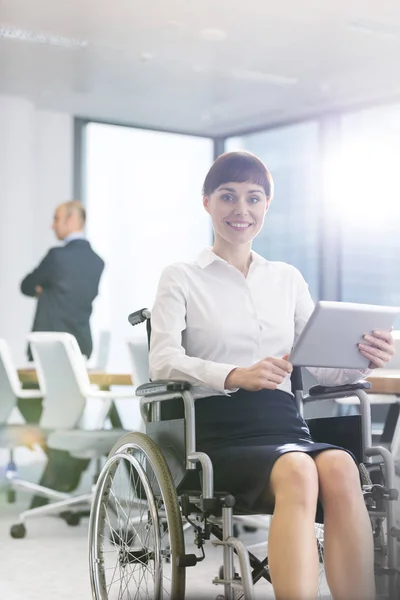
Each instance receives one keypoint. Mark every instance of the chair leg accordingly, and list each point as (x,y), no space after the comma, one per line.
(56,507)
(13,483)
(22,484)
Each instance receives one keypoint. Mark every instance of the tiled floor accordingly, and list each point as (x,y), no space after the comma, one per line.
(51,562)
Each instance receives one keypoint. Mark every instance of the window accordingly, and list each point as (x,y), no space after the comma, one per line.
(369,199)
(290,233)
(143,197)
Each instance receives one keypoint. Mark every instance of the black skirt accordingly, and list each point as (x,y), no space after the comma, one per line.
(244,434)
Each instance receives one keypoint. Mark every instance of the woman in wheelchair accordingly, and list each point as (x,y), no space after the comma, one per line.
(226,323)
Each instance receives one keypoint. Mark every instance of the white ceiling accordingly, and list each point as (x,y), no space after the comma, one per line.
(151,62)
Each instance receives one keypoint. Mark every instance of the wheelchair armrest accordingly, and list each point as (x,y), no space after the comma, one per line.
(321,392)
(341,390)
(155,388)
(159,391)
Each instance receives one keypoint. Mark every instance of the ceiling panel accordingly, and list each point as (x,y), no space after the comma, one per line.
(203,66)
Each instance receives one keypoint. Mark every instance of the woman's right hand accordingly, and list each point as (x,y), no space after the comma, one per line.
(264,375)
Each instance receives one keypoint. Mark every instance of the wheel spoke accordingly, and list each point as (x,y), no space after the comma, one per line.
(133,540)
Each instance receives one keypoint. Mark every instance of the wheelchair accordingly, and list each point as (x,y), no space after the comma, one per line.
(155,491)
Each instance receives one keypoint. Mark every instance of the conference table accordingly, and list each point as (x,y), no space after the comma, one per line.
(28,377)
(385,390)
(104,381)
(384,381)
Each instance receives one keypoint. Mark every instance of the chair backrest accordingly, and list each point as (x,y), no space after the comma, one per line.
(63,378)
(10,385)
(139,355)
(102,351)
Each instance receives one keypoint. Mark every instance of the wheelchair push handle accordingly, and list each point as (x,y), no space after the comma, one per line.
(139,316)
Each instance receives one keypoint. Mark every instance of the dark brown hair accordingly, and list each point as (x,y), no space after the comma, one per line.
(238,167)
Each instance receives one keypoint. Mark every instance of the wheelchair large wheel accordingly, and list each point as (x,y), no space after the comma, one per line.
(135,530)
(387,586)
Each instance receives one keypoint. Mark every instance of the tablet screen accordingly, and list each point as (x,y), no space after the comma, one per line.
(334,330)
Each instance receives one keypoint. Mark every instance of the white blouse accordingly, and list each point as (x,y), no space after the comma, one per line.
(208,319)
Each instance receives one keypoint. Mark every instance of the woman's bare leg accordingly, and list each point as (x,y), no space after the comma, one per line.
(292,546)
(348,540)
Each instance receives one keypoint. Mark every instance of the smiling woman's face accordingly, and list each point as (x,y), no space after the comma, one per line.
(237,211)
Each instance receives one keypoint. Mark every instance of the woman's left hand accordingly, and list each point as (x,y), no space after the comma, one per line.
(379,348)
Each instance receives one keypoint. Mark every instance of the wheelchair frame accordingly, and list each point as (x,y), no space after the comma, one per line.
(379,498)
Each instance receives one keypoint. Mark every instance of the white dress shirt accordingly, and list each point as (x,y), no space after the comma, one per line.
(77,235)
(208,319)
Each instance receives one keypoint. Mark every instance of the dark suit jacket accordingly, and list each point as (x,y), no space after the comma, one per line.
(69,276)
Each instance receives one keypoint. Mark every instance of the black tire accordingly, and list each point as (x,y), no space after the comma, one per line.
(18,531)
(11,496)
(249,528)
(379,535)
(380,545)
(72,519)
(131,446)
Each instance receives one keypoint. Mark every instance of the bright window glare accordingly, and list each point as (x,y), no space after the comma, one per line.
(367,184)
(367,192)
(143,196)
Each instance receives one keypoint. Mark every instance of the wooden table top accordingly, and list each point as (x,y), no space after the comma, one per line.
(100,378)
(384,381)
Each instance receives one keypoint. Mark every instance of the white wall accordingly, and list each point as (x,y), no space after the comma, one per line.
(36,174)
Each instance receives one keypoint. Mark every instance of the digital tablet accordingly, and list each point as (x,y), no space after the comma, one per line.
(334,330)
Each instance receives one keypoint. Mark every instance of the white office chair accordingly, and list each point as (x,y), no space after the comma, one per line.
(12,436)
(98,361)
(139,356)
(63,378)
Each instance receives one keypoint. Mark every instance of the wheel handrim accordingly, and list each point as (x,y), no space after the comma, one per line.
(138,544)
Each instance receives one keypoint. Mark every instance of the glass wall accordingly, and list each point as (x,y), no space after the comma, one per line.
(358,208)
(370,206)
(143,198)
(291,230)
(335,214)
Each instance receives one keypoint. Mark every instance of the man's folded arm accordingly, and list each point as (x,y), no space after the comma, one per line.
(41,276)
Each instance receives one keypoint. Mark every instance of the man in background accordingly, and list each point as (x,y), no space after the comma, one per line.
(65,284)
(66,281)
